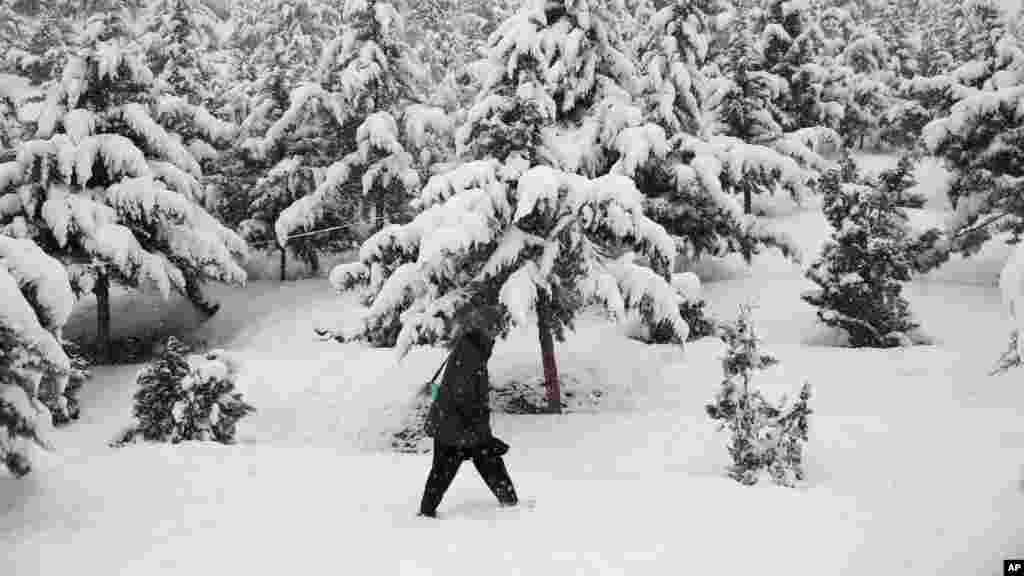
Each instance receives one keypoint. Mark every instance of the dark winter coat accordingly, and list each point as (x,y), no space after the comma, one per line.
(461,415)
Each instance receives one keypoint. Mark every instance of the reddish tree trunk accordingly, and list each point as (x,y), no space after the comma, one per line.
(102,291)
(284,262)
(547,352)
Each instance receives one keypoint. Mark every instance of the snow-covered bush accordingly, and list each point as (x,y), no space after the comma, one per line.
(187,397)
(860,270)
(24,420)
(693,313)
(64,405)
(765,436)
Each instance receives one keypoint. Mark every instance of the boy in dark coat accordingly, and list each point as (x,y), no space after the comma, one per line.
(459,421)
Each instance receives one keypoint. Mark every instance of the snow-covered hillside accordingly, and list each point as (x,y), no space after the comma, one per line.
(914,464)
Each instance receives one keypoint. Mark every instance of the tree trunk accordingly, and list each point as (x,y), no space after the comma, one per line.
(284,262)
(748,200)
(314,264)
(102,291)
(547,352)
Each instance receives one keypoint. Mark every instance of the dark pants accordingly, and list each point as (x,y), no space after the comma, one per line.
(447,460)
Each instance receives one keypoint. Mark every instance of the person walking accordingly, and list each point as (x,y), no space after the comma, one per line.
(459,422)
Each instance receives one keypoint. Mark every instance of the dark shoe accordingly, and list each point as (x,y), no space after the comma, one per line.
(428,514)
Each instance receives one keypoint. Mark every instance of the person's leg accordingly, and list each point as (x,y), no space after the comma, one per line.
(492,469)
(445,465)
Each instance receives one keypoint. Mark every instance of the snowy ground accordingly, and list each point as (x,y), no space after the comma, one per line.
(914,464)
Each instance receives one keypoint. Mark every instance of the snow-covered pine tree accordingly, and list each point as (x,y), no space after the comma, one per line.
(861,268)
(836,26)
(687,180)
(936,40)
(448,35)
(987,57)
(673,51)
(48,46)
(764,436)
(176,36)
(15,92)
(747,110)
(864,91)
(13,31)
(979,144)
(19,27)
(756,155)
(897,24)
(36,36)
(274,45)
(980,26)
(186,396)
(64,405)
(518,228)
(343,149)
(790,44)
(35,302)
(107,190)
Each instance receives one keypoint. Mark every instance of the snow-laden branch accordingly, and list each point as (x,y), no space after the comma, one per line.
(162,143)
(26,269)
(211,127)
(480,228)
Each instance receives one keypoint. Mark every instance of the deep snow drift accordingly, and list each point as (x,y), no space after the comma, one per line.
(914,464)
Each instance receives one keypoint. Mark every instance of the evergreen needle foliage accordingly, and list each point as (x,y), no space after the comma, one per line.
(64,406)
(764,436)
(22,418)
(862,265)
(187,397)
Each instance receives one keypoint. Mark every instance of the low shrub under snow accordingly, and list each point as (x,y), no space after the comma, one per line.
(187,397)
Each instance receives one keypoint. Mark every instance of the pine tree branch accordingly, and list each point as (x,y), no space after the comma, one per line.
(857,321)
(977,227)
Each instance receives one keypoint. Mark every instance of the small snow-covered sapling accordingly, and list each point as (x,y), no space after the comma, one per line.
(187,397)
(860,270)
(765,436)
